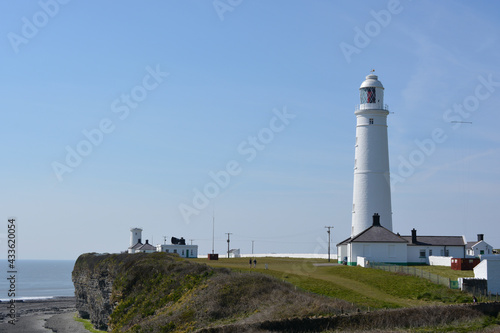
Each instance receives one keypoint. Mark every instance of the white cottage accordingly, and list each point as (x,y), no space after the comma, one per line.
(145,248)
(375,244)
(185,251)
(479,247)
(420,248)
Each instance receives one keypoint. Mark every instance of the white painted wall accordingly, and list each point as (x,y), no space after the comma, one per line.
(181,250)
(135,235)
(478,247)
(440,261)
(341,252)
(362,261)
(380,252)
(414,252)
(489,269)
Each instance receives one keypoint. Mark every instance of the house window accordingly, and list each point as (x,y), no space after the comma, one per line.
(175,250)
(430,253)
(481,252)
(183,252)
(371,121)
(422,253)
(166,250)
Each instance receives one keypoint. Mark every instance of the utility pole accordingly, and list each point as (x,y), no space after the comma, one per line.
(329,227)
(191,240)
(252,246)
(228,233)
(213,230)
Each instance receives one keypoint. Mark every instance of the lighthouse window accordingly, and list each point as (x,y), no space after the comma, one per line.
(367,95)
(371,121)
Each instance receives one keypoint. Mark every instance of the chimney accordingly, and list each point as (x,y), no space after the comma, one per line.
(139,241)
(147,241)
(480,237)
(376,220)
(414,236)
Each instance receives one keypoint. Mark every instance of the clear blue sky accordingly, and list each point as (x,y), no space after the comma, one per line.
(170,91)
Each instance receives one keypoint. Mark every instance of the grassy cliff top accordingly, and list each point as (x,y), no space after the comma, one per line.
(161,292)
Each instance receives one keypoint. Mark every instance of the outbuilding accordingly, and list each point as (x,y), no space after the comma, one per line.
(489,269)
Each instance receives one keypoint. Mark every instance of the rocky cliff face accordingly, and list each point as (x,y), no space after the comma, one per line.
(160,292)
(93,278)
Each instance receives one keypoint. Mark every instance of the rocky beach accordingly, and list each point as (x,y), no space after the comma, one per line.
(42,315)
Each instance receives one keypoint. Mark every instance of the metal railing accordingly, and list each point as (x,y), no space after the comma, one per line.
(361,107)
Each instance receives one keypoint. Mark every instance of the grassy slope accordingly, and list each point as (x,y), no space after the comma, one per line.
(447,272)
(365,287)
(163,293)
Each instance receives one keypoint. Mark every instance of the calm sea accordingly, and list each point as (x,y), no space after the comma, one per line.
(38,279)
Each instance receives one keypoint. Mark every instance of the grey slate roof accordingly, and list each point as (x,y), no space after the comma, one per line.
(471,244)
(375,234)
(136,246)
(436,240)
(345,241)
(147,247)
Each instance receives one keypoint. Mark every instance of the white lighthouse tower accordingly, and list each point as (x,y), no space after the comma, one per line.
(135,236)
(372,189)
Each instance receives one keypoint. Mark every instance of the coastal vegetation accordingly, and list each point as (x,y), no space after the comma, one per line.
(367,288)
(87,325)
(161,292)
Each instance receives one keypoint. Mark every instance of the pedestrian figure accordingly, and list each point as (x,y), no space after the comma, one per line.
(255,263)
(250,262)
(474,299)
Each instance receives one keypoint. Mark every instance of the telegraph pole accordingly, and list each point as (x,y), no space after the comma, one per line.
(328,231)
(252,246)
(228,234)
(213,230)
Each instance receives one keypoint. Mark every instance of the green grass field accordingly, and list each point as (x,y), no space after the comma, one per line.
(447,272)
(368,288)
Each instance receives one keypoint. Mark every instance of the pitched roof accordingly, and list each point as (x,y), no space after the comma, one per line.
(345,241)
(471,244)
(147,247)
(374,234)
(377,234)
(437,240)
(136,246)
